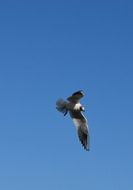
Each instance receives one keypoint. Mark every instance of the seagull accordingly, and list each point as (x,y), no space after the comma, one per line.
(75,109)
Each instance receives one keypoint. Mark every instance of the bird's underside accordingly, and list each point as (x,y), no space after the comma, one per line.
(73,106)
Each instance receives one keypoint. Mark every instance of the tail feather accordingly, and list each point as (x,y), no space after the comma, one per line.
(61,106)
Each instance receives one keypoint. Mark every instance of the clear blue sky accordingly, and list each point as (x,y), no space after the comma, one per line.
(48,50)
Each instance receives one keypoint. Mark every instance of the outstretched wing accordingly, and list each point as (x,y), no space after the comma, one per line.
(76,96)
(82,128)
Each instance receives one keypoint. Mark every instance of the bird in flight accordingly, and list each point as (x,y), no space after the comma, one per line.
(75,109)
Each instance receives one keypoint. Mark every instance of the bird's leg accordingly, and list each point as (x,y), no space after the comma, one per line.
(66,113)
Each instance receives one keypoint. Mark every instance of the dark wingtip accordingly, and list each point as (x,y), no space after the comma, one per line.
(78,92)
(85,146)
(87,149)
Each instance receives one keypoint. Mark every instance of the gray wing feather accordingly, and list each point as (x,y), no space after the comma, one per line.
(61,106)
(76,96)
(82,128)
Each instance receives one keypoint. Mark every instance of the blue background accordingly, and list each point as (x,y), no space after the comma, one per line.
(48,50)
